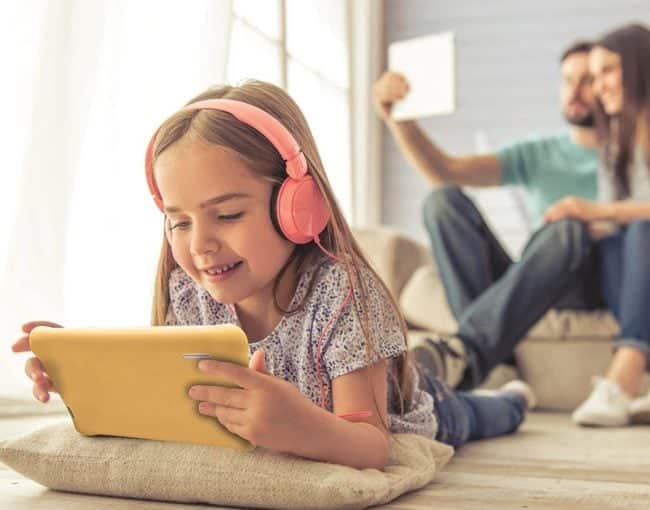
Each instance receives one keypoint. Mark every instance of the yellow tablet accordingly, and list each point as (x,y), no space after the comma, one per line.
(134,382)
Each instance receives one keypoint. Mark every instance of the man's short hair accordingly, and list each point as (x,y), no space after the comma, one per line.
(577,47)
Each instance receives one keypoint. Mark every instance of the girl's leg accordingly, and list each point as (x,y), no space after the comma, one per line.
(465,417)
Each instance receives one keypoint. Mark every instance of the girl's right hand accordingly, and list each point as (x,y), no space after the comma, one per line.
(43,385)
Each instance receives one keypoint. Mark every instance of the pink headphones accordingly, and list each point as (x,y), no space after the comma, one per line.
(298,209)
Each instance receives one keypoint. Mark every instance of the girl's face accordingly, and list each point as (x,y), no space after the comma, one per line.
(607,73)
(219,219)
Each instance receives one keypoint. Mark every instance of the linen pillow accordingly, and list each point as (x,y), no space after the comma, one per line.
(58,457)
(424,303)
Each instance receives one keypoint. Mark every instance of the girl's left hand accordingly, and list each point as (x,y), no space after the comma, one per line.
(266,410)
(577,208)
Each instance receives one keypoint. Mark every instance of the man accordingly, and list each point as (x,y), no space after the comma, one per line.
(495,300)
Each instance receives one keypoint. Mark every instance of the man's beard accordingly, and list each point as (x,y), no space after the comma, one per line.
(587,121)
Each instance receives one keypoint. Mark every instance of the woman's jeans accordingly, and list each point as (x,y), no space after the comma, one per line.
(465,417)
(624,260)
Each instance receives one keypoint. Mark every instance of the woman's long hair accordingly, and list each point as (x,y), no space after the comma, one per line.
(221,128)
(619,132)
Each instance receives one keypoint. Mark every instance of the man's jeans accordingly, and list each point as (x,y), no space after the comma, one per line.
(625,282)
(495,300)
(466,417)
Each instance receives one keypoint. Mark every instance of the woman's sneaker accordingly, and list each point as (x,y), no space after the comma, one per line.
(607,406)
(640,410)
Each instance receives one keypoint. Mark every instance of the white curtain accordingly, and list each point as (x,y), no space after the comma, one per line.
(84,85)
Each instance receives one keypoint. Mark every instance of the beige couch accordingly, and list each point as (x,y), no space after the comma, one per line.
(558,357)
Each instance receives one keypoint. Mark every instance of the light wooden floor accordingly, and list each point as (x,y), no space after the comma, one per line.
(549,464)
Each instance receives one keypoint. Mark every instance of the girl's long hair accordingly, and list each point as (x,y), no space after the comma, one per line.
(619,133)
(221,128)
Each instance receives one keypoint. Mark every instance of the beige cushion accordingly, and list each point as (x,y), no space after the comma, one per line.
(424,303)
(392,255)
(59,458)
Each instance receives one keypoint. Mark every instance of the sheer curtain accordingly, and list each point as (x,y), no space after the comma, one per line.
(85,83)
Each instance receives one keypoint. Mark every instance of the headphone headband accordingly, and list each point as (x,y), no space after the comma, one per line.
(300,209)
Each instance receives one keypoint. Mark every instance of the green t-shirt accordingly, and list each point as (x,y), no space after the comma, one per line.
(550,168)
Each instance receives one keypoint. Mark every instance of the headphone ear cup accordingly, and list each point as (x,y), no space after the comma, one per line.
(301,210)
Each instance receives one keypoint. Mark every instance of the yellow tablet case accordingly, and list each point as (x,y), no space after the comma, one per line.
(134,382)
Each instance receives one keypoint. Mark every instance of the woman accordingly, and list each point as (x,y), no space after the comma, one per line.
(620,67)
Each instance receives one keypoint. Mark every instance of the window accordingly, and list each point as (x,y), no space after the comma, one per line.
(302,46)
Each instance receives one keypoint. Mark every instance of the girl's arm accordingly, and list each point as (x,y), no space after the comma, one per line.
(272,413)
(360,444)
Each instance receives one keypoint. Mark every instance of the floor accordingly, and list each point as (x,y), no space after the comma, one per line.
(549,464)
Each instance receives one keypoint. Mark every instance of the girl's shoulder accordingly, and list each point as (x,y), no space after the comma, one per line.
(327,283)
(193,305)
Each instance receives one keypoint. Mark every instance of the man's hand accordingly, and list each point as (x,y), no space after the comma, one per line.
(266,410)
(390,87)
(576,208)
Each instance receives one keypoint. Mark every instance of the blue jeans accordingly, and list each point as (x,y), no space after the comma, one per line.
(465,417)
(625,282)
(495,300)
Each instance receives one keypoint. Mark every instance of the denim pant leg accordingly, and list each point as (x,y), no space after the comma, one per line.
(464,417)
(491,327)
(468,255)
(625,277)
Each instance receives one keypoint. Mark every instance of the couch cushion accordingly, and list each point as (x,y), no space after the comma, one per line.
(424,304)
(60,458)
(392,255)
(560,371)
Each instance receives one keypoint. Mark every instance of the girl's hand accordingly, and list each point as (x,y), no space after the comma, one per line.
(267,411)
(43,385)
(577,208)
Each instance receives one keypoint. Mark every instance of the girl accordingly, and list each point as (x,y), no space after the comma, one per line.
(620,67)
(250,240)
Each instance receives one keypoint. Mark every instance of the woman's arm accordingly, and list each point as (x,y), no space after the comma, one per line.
(625,212)
(622,212)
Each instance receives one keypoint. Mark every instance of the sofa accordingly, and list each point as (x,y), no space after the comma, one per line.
(559,355)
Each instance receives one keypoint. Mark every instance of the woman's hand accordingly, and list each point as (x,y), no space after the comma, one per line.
(43,385)
(577,208)
(266,410)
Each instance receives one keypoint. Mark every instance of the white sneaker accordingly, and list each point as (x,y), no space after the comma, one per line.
(640,410)
(517,387)
(607,406)
(523,389)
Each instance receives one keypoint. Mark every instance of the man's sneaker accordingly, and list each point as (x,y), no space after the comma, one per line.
(515,387)
(443,357)
(607,406)
(640,410)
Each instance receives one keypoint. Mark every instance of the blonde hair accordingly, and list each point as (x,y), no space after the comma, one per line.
(221,128)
